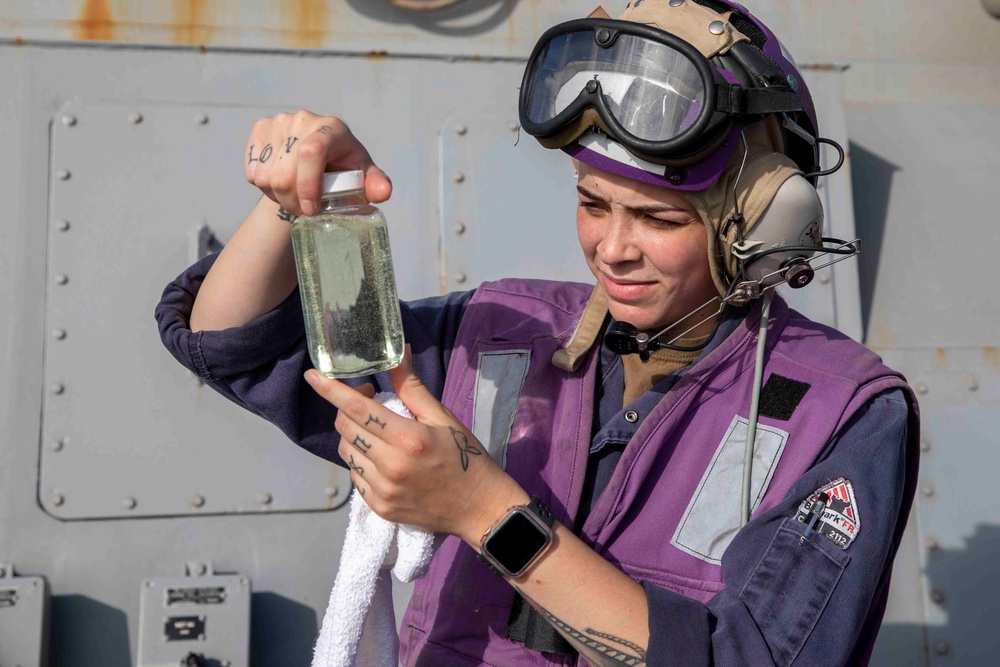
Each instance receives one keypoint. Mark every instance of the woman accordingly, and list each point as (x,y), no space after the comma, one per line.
(608,518)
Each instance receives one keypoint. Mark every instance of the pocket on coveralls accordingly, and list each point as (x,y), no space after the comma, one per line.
(790,587)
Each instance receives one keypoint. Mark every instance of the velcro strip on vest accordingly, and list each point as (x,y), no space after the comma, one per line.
(780,396)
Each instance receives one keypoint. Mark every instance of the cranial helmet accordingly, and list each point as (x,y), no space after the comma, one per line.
(697,96)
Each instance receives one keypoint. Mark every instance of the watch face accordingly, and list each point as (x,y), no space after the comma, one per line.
(515,542)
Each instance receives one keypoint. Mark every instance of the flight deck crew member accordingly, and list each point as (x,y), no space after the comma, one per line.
(584,447)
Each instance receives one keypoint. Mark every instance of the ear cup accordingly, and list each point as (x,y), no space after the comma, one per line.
(793,219)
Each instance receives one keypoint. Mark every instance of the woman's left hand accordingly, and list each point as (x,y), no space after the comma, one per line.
(430,471)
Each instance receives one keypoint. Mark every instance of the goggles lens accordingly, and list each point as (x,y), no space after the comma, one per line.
(652,90)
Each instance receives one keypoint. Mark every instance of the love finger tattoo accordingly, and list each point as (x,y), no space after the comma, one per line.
(373,418)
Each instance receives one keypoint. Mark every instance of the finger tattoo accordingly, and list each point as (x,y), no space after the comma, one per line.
(464,447)
(285,215)
(250,158)
(373,418)
(359,442)
(265,153)
(289,143)
(355,467)
(326,129)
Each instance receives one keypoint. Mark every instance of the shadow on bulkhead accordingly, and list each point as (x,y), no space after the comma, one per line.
(966,577)
(871,185)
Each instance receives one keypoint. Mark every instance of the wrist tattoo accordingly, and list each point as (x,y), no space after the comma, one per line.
(360,443)
(285,215)
(289,143)
(464,448)
(373,418)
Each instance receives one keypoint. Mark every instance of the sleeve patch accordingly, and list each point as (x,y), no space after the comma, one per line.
(839,521)
(780,396)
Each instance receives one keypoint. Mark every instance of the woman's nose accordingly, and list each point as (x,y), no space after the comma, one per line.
(618,244)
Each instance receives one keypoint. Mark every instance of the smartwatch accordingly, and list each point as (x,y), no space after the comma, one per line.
(517,539)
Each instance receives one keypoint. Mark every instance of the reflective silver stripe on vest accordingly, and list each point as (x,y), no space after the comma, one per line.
(499,378)
(712,518)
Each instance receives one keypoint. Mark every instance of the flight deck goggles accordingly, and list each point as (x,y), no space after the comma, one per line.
(651,91)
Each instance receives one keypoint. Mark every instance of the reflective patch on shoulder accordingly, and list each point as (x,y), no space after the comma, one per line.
(712,518)
(499,379)
(840,522)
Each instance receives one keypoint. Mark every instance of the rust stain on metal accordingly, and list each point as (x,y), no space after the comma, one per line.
(192,23)
(940,359)
(826,67)
(18,41)
(95,22)
(306,21)
(992,357)
(377,55)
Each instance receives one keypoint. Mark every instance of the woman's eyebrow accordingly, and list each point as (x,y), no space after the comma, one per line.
(639,208)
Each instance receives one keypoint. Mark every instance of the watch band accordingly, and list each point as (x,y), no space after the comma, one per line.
(541,510)
(537,507)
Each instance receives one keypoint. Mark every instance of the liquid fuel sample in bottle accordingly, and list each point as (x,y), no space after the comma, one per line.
(347,284)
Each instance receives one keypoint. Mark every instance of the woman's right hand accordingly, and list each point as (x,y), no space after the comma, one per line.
(288,154)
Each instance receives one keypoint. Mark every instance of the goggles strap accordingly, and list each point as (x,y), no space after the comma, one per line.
(736,101)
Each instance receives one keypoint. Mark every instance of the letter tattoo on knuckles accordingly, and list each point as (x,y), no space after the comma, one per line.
(289,143)
(264,156)
(360,443)
(355,467)
(464,448)
(373,418)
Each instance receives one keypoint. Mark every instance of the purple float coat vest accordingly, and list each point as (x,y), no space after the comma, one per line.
(458,613)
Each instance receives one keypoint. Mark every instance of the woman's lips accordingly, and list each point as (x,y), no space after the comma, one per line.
(625,290)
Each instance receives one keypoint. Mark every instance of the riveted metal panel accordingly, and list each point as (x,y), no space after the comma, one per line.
(123,432)
(959,526)
(208,616)
(508,205)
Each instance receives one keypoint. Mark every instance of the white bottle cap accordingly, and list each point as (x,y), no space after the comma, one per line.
(343,181)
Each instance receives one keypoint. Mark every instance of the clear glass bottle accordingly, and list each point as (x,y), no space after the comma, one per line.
(346,280)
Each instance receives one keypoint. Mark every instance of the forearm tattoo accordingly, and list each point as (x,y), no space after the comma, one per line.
(355,467)
(618,652)
(373,418)
(464,448)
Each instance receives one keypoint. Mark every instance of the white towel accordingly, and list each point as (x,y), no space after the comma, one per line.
(359,627)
